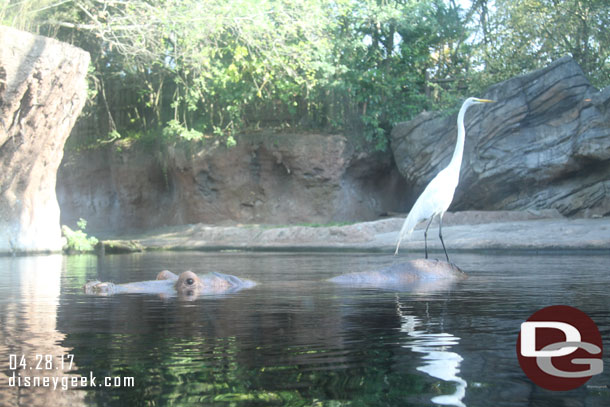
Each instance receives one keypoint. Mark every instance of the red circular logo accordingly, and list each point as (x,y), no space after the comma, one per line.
(560,348)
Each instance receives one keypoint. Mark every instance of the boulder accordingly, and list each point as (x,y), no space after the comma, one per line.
(42,91)
(545,144)
(266,178)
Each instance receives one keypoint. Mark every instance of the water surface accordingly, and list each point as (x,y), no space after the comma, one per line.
(295,339)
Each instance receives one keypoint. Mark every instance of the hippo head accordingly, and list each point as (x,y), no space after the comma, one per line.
(188,285)
(98,288)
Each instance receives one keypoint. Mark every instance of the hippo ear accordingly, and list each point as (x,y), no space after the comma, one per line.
(166,275)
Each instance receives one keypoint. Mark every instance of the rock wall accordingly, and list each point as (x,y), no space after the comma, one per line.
(268,179)
(42,91)
(544,144)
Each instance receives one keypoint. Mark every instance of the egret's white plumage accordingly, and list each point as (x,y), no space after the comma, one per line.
(437,196)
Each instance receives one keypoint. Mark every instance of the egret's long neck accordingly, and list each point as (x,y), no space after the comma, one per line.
(456,160)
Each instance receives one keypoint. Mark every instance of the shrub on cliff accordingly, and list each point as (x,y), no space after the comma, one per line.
(77,241)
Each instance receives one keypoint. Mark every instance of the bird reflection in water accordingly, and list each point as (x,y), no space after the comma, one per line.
(439,361)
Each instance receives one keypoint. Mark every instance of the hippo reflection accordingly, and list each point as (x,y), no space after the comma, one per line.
(188,285)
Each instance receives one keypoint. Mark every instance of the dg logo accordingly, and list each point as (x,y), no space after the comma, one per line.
(560,348)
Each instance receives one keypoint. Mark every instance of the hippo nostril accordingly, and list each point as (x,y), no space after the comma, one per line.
(190,281)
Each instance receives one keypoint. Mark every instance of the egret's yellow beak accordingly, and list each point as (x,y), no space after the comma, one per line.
(485,100)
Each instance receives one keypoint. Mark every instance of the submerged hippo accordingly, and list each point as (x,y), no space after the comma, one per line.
(188,285)
(421,275)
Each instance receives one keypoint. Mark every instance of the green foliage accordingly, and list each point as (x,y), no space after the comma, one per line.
(175,129)
(231,142)
(77,240)
(528,34)
(81,224)
(192,69)
(114,135)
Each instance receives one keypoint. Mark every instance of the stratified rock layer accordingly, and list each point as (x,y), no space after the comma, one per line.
(266,178)
(42,91)
(544,144)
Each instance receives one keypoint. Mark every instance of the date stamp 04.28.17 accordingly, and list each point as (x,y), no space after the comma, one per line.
(56,372)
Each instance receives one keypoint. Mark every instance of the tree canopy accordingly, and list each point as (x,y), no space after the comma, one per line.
(194,69)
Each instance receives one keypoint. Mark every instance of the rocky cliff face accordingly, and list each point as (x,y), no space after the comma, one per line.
(270,179)
(544,144)
(42,91)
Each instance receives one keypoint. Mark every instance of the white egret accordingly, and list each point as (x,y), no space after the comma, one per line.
(437,196)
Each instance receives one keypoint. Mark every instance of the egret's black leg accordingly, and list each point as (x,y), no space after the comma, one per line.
(426,236)
(440,234)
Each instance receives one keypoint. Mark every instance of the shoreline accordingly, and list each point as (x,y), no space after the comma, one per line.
(468,231)
(462,231)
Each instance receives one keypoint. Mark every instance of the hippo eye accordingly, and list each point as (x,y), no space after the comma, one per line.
(189,293)
(190,281)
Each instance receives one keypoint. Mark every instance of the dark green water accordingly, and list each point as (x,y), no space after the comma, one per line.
(293,340)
